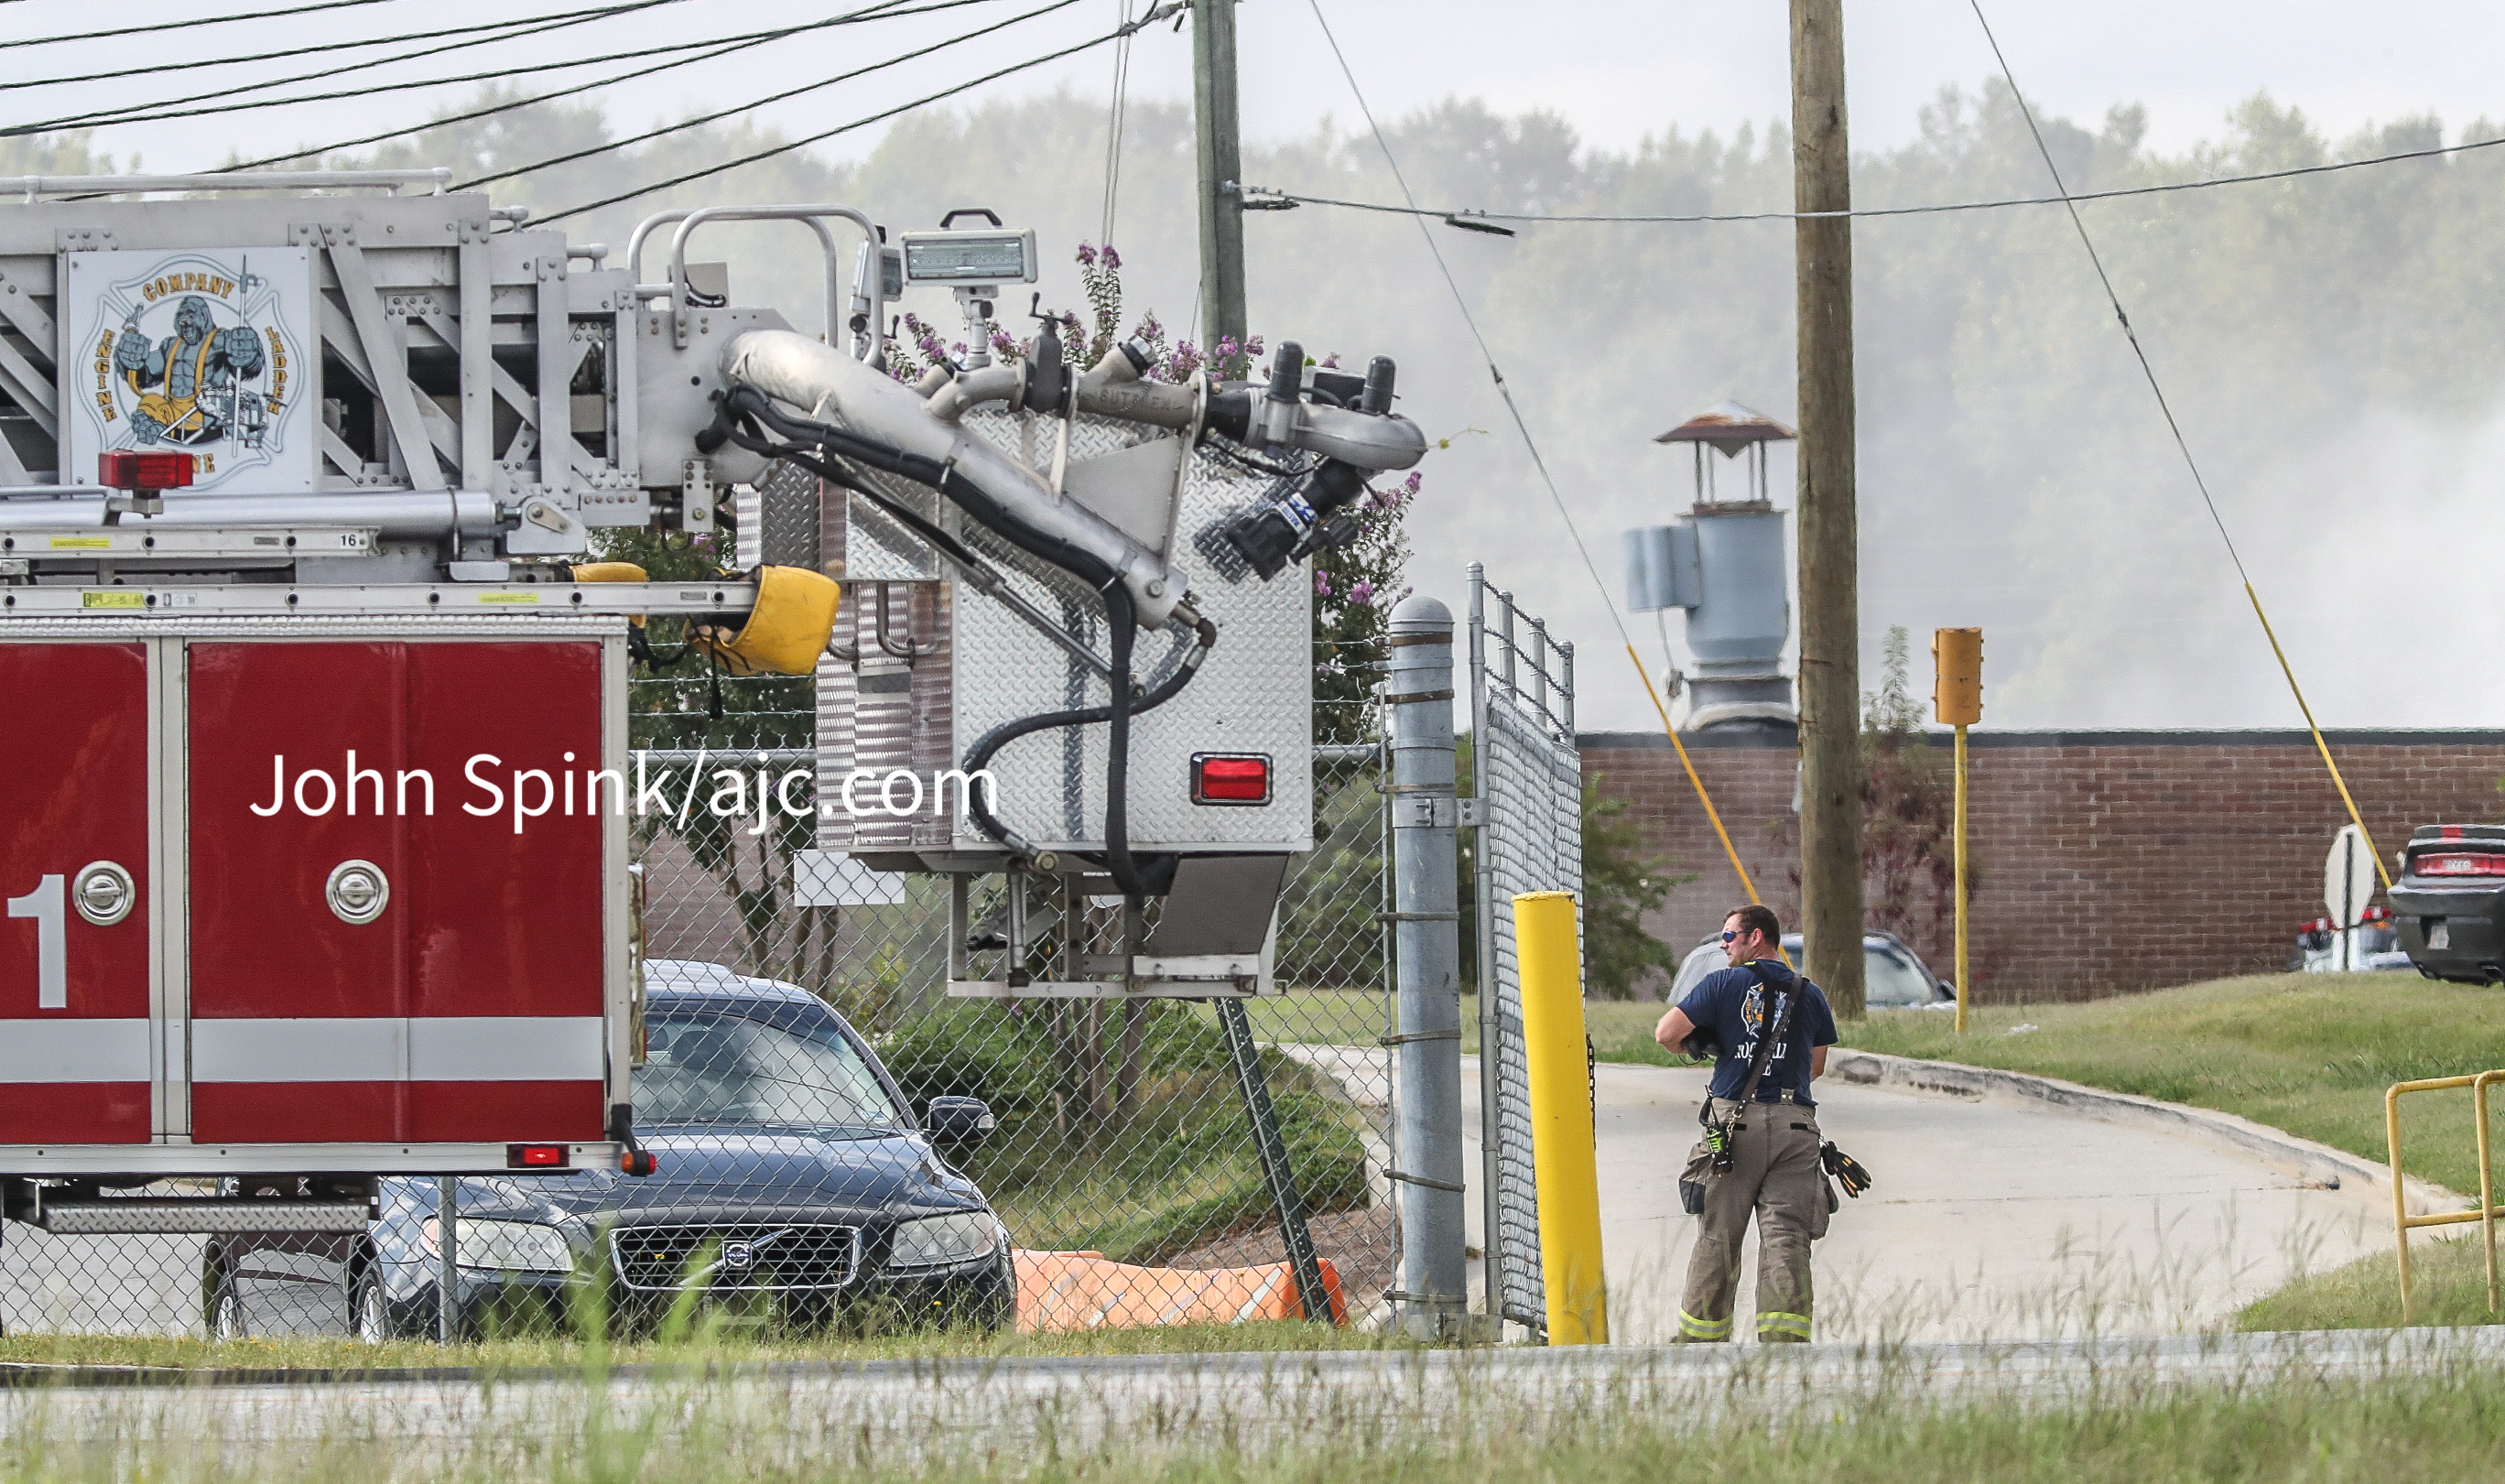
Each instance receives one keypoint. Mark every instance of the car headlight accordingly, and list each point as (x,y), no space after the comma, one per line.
(508,1247)
(944,1241)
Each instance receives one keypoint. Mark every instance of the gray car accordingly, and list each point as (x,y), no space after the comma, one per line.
(1893,975)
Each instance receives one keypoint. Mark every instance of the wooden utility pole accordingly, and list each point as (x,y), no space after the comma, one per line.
(1830,662)
(1221,215)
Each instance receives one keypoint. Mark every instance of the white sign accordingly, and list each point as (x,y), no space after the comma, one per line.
(204,352)
(2348,878)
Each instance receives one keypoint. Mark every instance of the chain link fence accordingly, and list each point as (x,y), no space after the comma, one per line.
(1121,1127)
(1530,777)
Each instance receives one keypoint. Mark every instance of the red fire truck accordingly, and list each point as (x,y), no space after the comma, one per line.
(314,780)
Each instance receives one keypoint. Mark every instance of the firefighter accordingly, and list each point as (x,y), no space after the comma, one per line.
(1760,1151)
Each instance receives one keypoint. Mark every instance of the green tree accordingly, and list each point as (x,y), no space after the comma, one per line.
(1620,885)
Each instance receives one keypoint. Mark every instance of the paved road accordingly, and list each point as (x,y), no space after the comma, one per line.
(1990,1217)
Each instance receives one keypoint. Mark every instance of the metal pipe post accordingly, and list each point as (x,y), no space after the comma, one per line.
(1961,879)
(1433,1301)
(1492,1231)
(447,1286)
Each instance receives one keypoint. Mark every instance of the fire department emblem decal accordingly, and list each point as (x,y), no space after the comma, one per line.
(196,352)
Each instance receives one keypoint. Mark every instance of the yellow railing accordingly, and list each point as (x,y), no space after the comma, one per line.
(2487,1212)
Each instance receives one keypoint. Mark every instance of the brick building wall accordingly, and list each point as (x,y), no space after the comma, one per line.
(2107,861)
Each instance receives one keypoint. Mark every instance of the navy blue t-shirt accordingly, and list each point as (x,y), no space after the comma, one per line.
(1729,1002)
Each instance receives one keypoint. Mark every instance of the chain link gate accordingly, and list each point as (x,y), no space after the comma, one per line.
(1529,778)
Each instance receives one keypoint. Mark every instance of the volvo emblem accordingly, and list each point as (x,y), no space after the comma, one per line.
(738,1257)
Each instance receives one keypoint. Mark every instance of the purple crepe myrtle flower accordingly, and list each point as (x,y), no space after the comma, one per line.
(1322,583)
(1086,254)
(1361,594)
(1112,258)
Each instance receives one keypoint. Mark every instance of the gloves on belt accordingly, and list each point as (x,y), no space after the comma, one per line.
(1845,1169)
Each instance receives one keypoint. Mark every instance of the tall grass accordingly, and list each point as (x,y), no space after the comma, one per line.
(1882,1419)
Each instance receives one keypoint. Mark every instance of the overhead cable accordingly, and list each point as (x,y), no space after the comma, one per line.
(1259,197)
(886,10)
(1160,12)
(1461,302)
(1113,124)
(435,33)
(167,108)
(2182,445)
(755,103)
(122,32)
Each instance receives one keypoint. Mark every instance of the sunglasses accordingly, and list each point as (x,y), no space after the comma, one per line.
(1730,936)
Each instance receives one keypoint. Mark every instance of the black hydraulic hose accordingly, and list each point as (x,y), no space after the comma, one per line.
(744,407)
(986,747)
(1124,634)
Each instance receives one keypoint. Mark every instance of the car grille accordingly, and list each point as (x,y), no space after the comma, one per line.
(771,1257)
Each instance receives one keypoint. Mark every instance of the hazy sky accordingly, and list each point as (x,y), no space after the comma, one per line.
(1615,71)
(1618,71)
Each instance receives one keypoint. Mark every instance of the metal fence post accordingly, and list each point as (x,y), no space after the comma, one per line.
(1492,1230)
(1435,1284)
(447,1286)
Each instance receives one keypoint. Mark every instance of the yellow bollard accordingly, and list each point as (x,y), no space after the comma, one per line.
(1556,1054)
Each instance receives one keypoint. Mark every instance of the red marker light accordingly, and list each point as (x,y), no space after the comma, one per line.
(144,473)
(1230,778)
(534,1156)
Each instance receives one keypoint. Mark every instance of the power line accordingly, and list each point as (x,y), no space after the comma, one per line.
(167,108)
(1461,302)
(755,103)
(1256,195)
(301,50)
(1160,12)
(2182,445)
(122,33)
(1114,123)
(886,10)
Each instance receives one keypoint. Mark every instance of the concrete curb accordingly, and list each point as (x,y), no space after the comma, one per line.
(2336,1168)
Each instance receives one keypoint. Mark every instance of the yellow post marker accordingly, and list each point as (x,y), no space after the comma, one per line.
(1561,1118)
(1956,695)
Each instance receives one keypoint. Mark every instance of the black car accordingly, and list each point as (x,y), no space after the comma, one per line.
(793,1183)
(2450,902)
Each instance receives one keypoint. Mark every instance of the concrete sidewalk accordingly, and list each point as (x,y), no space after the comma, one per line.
(1991,1217)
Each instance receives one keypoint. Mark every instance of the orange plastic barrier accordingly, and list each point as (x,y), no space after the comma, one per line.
(1081,1291)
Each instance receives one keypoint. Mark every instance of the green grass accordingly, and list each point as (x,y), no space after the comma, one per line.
(1621,1028)
(1177,1171)
(2281,1429)
(2308,1053)
(2447,1286)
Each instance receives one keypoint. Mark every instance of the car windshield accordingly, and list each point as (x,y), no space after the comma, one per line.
(711,1068)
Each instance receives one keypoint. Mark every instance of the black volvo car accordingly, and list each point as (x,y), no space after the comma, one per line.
(794,1183)
(2450,902)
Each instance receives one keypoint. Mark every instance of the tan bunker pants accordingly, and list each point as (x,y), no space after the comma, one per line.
(1775,1174)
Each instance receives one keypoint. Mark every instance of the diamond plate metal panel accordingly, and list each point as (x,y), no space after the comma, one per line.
(1252,695)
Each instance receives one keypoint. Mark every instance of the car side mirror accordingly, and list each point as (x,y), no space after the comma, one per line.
(958,1120)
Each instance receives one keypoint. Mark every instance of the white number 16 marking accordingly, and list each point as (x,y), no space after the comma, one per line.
(48,903)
